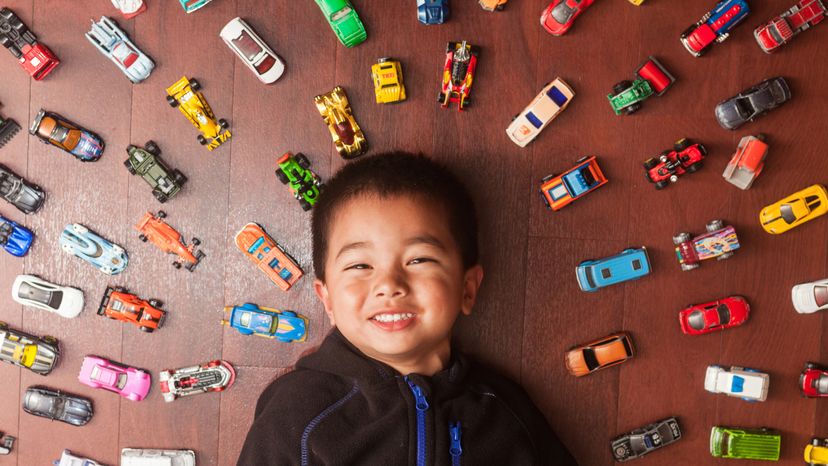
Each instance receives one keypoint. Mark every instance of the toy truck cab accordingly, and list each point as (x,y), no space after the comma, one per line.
(735,443)
(747,163)
(715,26)
(630,264)
(651,78)
(719,242)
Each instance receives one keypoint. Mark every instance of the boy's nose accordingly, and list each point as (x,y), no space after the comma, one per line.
(390,285)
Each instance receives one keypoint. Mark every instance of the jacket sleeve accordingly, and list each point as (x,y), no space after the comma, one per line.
(548,448)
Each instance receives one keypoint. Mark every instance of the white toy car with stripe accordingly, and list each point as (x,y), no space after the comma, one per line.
(745,383)
(552,100)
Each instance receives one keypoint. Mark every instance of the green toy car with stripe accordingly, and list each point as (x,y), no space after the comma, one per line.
(295,172)
(344,21)
(737,443)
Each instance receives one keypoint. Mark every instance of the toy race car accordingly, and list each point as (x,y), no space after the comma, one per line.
(816,452)
(250,319)
(152,228)
(600,354)
(252,50)
(646,439)
(33,56)
(8,128)
(558,191)
(686,157)
(629,264)
(747,163)
(552,100)
(192,5)
(114,44)
(748,444)
(38,354)
(559,16)
(304,184)
(344,21)
(118,304)
(57,406)
(130,8)
(714,26)
(794,210)
(79,241)
(15,239)
(53,129)
(336,113)
(27,197)
(699,319)
(388,81)
(719,242)
(146,162)
(433,11)
(129,382)
(68,459)
(268,255)
(810,297)
(33,291)
(492,5)
(781,29)
(651,78)
(458,74)
(185,95)
(747,384)
(213,376)
(814,381)
(752,103)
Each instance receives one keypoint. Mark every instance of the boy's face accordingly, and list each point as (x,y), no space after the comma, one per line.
(395,282)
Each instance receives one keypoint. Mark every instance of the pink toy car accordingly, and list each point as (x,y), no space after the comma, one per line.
(129,382)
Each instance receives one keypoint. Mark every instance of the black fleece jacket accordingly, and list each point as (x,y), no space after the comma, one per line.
(340,407)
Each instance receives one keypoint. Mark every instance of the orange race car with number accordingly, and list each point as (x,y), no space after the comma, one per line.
(117,304)
(152,228)
(268,255)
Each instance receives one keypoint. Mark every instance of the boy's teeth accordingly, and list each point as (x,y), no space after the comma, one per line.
(393,317)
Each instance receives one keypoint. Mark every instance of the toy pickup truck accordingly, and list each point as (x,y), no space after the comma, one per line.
(781,29)
(719,242)
(751,444)
(747,384)
(651,78)
(558,191)
(714,26)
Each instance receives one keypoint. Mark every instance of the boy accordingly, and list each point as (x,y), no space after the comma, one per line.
(395,256)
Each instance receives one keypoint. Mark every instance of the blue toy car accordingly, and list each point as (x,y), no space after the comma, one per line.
(432,11)
(14,238)
(250,319)
(77,240)
(630,264)
(714,26)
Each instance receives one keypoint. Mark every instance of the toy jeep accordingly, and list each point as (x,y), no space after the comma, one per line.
(651,78)
(146,162)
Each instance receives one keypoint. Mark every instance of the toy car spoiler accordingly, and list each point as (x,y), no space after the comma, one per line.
(105,300)
(8,128)
(654,73)
(192,265)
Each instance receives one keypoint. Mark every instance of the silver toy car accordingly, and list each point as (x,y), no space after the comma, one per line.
(114,44)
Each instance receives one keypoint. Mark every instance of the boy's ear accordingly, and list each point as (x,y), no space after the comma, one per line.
(471,284)
(322,293)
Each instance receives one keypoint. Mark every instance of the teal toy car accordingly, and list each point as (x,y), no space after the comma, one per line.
(629,264)
(192,5)
(295,172)
(651,78)
(250,319)
(344,21)
(749,444)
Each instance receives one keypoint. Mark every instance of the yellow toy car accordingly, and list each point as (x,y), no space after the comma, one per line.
(795,209)
(816,453)
(184,95)
(388,83)
(336,113)
(636,2)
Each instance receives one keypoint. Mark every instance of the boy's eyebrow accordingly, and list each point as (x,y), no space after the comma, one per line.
(426,239)
(352,246)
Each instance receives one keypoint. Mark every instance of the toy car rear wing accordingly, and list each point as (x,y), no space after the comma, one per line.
(654,73)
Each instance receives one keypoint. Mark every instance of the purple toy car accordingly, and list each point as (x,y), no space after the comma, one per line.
(129,382)
(720,241)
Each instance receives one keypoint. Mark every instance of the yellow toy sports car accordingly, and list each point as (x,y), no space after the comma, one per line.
(336,112)
(388,84)
(184,95)
(795,209)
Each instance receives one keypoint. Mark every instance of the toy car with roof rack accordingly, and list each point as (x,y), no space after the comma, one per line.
(8,128)
(433,11)
(458,74)
(38,354)
(154,229)
(57,406)
(747,163)
(26,197)
(552,100)
(794,210)
(33,291)
(304,183)
(15,238)
(213,376)
(560,15)
(79,241)
(740,382)
(629,264)
(651,78)
(713,316)
(599,354)
(114,44)
(782,28)
(558,191)
(118,304)
(52,129)
(646,439)
(250,319)
(719,242)
(714,26)
(685,157)
(34,57)
(146,162)
(268,255)
(185,95)
(129,382)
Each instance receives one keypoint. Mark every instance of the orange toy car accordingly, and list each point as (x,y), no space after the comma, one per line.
(606,352)
(268,255)
(166,238)
(117,304)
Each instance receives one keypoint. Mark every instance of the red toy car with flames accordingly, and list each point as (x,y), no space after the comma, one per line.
(719,242)
(699,319)
(686,157)
(118,304)
(33,56)
(814,381)
(458,74)
(153,228)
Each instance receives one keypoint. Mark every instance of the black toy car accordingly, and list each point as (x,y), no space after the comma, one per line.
(752,103)
(27,197)
(58,406)
(641,441)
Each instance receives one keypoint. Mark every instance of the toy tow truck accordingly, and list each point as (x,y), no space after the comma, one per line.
(718,242)
(153,228)
(304,184)
(781,29)
(8,128)
(651,78)
(184,95)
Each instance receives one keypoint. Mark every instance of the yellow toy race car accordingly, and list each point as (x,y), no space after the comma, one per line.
(336,112)
(388,84)
(184,95)
(795,209)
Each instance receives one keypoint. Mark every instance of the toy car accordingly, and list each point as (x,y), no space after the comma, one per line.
(192,5)
(79,241)
(719,242)
(651,78)
(558,191)
(268,255)
(559,16)
(118,304)
(57,406)
(749,444)
(304,184)
(458,74)
(714,26)
(68,459)
(699,319)
(552,100)
(646,439)
(185,95)
(130,8)
(814,381)
(388,82)
(14,238)
(344,21)
(781,29)
(252,50)
(7,444)
(213,376)
(637,2)
(810,297)
(27,197)
(629,264)
(686,157)
(336,113)
(816,453)
(250,319)
(145,457)
(600,354)
(8,128)
(129,382)
(33,291)
(51,128)
(747,384)
(752,103)
(154,229)
(114,44)
(433,11)
(794,210)
(33,56)
(38,354)
(146,162)
(492,5)
(747,163)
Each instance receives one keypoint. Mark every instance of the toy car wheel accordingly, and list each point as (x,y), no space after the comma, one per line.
(171,100)
(714,225)
(724,256)
(49,339)
(159,196)
(129,167)
(179,177)
(632,109)
(162,214)
(152,148)
(145,329)
(155,303)
(177,265)
(682,144)
(142,237)
(196,241)
(195,85)
(681,238)
(281,175)
(223,123)
(811,365)
(302,161)
(662,184)
(702,149)
(695,167)
(201,140)
(466,102)
(621,87)
(650,163)
(306,206)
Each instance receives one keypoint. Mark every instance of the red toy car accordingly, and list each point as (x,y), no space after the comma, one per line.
(558,17)
(779,30)
(814,381)
(34,57)
(686,157)
(117,304)
(166,238)
(715,315)
(458,74)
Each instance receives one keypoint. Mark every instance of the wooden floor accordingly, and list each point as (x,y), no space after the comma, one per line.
(530,310)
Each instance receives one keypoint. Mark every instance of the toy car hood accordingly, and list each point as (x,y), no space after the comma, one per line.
(804,297)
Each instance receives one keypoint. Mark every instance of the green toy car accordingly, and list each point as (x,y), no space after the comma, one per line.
(303,183)
(146,162)
(344,21)
(651,78)
(736,443)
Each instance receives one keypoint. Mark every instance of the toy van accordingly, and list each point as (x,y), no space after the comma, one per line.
(629,264)
(737,443)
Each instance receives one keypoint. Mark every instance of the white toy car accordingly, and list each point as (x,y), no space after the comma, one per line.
(747,384)
(551,101)
(129,8)
(810,297)
(115,45)
(145,457)
(64,301)
(252,50)
(68,459)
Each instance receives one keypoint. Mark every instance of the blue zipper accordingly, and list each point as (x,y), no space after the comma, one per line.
(422,406)
(455,449)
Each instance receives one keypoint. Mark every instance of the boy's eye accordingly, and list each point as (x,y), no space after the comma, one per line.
(358,267)
(420,260)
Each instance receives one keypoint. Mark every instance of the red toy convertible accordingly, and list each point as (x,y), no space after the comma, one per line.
(814,381)
(458,74)
(715,315)
(686,157)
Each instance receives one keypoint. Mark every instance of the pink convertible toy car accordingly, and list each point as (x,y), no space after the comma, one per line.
(129,382)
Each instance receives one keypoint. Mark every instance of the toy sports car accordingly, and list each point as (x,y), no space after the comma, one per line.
(38,354)
(686,157)
(629,264)
(794,210)
(250,319)
(600,354)
(33,56)
(252,50)
(552,100)
(646,439)
(388,82)
(336,113)
(33,291)
(79,241)
(433,11)
(14,238)
(558,191)
(781,29)
(304,184)
(57,406)
(458,74)
(714,26)
(716,315)
(130,8)
(810,297)
(651,78)
(559,16)
(752,103)
(146,162)
(192,5)
(129,382)
(213,376)
(114,44)
(185,95)
(344,20)
(813,382)
(719,242)
(747,163)
(747,384)
(154,229)
(118,304)
(27,197)
(8,128)
(53,129)
(268,255)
